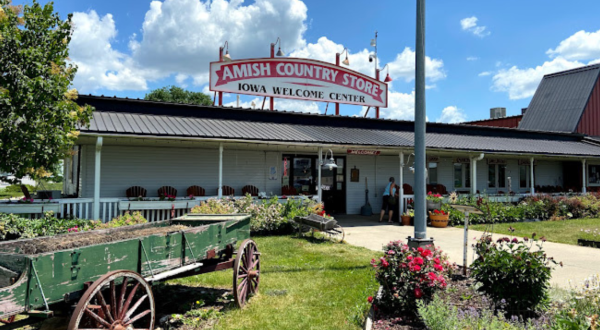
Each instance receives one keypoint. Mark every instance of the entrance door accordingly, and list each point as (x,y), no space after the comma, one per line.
(301,172)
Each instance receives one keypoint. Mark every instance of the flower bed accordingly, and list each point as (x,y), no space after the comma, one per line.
(589,237)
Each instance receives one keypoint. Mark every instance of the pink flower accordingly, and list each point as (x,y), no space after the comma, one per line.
(426,253)
(437,261)
(409,257)
(438,267)
(390,252)
(416,268)
(419,260)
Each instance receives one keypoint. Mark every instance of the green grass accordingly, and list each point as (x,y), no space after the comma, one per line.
(564,231)
(304,285)
(9,194)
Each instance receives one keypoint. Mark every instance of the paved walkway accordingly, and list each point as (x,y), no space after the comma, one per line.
(579,262)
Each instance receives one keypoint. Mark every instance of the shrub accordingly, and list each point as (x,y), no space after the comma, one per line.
(125,219)
(582,308)
(14,188)
(268,216)
(409,275)
(511,272)
(442,315)
(14,227)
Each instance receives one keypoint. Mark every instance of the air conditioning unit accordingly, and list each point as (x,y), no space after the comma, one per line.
(497,113)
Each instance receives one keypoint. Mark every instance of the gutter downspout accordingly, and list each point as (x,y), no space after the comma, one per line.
(474,161)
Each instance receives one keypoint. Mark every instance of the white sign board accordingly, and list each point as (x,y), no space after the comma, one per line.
(295,78)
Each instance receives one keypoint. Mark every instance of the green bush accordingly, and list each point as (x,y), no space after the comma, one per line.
(14,227)
(512,273)
(268,216)
(17,188)
(127,219)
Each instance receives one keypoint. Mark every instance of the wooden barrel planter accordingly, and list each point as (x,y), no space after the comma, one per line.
(439,220)
(585,242)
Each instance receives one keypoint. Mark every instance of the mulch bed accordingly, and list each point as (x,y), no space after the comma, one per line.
(460,293)
(75,240)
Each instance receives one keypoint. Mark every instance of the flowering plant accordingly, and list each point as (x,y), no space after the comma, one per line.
(324,215)
(409,213)
(439,212)
(410,203)
(408,275)
(26,200)
(170,198)
(589,234)
(436,198)
(511,270)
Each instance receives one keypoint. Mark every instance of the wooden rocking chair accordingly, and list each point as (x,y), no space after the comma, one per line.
(167,190)
(289,191)
(196,191)
(227,191)
(249,189)
(135,191)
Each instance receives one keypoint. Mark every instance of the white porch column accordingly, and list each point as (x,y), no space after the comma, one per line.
(401,183)
(531,176)
(319,190)
(220,190)
(584,188)
(96,215)
(473,176)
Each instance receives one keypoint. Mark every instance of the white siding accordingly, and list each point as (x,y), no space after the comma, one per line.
(153,167)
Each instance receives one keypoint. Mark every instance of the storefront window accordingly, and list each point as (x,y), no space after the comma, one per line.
(462,175)
(302,178)
(497,176)
(432,173)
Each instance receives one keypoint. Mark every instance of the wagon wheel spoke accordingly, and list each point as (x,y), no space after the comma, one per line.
(137,317)
(133,309)
(128,301)
(9,320)
(121,300)
(246,272)
(113,299)
(104,307)
(97,318)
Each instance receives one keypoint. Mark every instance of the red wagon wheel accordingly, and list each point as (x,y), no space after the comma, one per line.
(119,300)
(8,320)
(246,272)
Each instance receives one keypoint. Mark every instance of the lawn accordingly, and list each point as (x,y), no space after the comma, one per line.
(305,284)
(564,231)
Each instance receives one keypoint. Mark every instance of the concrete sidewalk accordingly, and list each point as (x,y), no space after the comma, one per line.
(579,262)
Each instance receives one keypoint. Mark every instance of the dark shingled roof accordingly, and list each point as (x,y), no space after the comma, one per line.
(143,118)
(560,99)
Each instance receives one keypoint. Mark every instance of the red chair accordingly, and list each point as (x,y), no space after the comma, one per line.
(227,191)
(407,189)
(289,191)
(167,190)
(135,191)
(249,189)
(196,191)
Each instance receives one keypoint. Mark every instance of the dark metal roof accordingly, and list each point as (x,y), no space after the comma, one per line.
(560,100)
(138,124)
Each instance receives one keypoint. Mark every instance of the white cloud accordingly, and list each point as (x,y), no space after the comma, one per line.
(485,73)
(183,36)
(522,83)
(452,115)
(470,24)
(401,106)
(401,68)
(99,65)
(298,106)
(580,46)
(472,58)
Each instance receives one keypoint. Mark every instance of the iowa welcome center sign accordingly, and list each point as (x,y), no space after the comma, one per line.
(295,78)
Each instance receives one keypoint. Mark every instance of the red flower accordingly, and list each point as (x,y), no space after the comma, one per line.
(420,250)
(418,260)
(436,211)
(409,257)
(370,299)
(437,261)
(429,193)
(438,267)
(418,293)
(426,253)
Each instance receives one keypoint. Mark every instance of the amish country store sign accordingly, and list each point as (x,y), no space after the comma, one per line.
(295,78)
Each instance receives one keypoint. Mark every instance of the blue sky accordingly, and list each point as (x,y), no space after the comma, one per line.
(481,54)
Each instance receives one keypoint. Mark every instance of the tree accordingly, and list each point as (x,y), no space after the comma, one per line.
(39,119)
(178,95)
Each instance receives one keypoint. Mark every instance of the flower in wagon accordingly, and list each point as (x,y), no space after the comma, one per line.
(73,229)
(370,299)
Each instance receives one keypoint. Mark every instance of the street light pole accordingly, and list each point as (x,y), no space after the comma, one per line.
(420,121)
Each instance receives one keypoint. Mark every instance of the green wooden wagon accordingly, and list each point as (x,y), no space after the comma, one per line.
(103,277)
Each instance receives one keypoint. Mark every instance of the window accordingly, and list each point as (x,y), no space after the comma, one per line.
(432,170)
(524,174)
(497,176)
(462,175)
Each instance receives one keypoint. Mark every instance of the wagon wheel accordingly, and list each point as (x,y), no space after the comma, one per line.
(8,320)
(336,234)
(246,272)
(119,300)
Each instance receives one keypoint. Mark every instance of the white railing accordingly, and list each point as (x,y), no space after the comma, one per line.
(404,203)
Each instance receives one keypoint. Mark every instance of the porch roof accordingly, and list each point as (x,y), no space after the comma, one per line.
(140,118)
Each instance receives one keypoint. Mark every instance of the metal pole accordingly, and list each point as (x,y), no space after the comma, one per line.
(319,191)
(401,181)
(466,245)
(420,122)
(220,190)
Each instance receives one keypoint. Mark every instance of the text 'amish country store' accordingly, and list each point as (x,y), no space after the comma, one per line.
(297,79)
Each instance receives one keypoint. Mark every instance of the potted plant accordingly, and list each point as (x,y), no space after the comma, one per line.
(407,217)
(434,201)
(439,218)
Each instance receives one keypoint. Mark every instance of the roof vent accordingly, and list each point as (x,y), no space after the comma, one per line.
(497,113)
